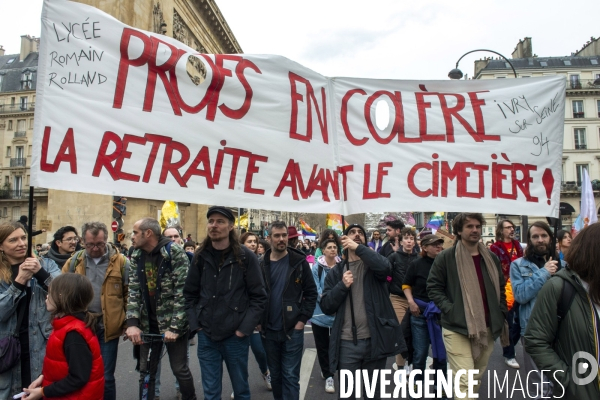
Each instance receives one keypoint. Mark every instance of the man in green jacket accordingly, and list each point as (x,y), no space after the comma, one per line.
(470,271)
(570,349)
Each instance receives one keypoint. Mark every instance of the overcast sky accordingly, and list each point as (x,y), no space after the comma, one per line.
(395,39)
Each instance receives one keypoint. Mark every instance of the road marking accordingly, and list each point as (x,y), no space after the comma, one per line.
(308,361)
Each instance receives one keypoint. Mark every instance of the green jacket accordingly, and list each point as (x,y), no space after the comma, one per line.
(576,334)
(170,304)
(443,288)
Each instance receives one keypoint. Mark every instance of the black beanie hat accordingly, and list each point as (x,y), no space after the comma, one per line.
(355,226)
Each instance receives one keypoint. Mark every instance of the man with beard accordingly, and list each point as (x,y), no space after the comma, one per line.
(365,330)
(528,274)
(64,244)
(392,231)
(292,297)
(224,300)
(466,283)
(156,305)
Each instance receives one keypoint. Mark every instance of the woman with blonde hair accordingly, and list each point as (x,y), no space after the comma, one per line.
(24,285)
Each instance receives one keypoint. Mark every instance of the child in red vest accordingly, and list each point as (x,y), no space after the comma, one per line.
(73,367)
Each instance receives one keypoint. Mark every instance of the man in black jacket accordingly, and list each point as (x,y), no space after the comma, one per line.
(392,231)
(365,331)
(224,300)
(292,297)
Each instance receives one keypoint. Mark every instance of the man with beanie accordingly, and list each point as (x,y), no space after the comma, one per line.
(466,283)
(224,300)
(365,331)
(292,297)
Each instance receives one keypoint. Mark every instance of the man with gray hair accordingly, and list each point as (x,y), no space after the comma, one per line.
(108,270)
(156,304)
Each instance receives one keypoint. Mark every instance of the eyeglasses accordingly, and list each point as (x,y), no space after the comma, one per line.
(71,240)
(97,245)
(508,227)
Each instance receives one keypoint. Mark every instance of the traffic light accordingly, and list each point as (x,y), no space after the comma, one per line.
(119,208)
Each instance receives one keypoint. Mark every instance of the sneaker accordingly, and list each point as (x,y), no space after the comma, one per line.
(511,362)
(329,387)
(267,379)
(232,396)
(408,368)
(395,366)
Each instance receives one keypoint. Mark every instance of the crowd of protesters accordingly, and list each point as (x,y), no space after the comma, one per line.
(365,299)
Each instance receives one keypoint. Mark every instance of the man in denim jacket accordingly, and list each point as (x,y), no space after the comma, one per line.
(528,274)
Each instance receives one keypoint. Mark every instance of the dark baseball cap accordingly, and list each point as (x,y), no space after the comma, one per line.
(224,211)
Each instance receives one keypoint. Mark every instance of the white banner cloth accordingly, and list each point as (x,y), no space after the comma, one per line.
(121,111)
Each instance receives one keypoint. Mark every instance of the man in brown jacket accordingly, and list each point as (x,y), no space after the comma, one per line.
(108,270)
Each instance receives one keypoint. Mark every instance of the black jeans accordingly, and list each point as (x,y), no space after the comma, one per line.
(514,329)
(177,358)
(354,357)
(321,335)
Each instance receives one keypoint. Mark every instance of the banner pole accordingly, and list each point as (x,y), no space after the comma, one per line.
(29,227)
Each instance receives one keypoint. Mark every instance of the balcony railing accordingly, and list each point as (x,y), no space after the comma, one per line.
(13,194)
(18,162)
(12,108)
(581,147)
(580,114)
(20,134)
(582,84)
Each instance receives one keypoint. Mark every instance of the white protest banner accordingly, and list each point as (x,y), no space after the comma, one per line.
(132,113)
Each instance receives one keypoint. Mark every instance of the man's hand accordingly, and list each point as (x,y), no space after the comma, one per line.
(170,336)
(551,266)
(348,243)
(239,334)
(134,334)
(299,326)
(348,278)
(34,391)
(414,308)
(395,243)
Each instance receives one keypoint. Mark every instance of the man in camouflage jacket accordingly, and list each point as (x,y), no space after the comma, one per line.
(156,305)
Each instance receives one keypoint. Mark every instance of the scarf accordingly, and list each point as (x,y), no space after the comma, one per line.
(471,294)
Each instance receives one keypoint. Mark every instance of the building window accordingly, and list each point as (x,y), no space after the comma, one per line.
(19,152)
(598,105)
(7,153)
(6,180)
(16,213)
(574,81)
(578,109)
(1,78)
(21,127)
(580,168)
(9,125)
(5,212)
(18,185)
(23,103)
(27,80)
(580,143)
(30,123)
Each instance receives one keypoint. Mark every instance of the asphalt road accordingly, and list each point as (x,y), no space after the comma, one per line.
(312,386)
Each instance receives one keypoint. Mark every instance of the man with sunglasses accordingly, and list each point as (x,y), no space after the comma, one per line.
(108,270)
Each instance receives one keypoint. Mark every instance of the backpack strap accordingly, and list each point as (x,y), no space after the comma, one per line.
(75,258)
(320,271)
(567,295)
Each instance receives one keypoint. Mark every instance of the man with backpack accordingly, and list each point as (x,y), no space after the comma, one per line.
(156,304)
(224,300)
(528,274)
(108,272)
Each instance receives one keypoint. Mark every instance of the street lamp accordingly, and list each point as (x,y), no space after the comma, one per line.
(457,73)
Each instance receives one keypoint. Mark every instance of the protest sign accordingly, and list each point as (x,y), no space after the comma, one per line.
(124,111)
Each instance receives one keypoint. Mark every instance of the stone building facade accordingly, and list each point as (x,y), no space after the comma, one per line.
(197,23)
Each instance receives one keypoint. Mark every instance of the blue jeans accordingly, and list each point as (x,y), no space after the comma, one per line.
(259,352)
(109,357)
(284,356)
(211,354)
(421,343)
